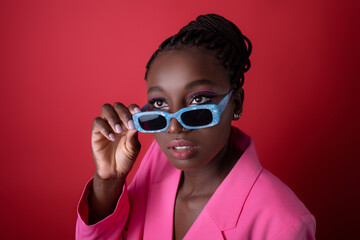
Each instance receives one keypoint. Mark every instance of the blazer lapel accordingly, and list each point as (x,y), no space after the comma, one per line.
(226,205)
(160,206)
(224,208)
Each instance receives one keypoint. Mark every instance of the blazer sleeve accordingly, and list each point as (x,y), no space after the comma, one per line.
(110,227)
(128,216)
(303,228)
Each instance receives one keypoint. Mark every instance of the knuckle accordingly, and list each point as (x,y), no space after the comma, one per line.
(132,106)
(104,130)
(119,105)
(122,110)
(97,120)
(105,107)
(100,125)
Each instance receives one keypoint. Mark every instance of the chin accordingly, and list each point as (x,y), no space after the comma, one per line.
(186,164)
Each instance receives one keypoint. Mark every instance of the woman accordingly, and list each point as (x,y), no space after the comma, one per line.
(201,179)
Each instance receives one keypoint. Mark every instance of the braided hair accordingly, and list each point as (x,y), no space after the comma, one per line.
(219,36)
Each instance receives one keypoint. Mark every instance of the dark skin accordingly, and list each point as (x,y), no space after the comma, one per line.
(191,200)
(177,79)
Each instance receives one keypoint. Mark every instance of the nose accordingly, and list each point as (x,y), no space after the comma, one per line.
(174,126)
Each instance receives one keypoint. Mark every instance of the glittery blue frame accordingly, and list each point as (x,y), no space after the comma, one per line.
(216,111)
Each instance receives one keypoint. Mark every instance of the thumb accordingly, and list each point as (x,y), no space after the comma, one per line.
(132,143)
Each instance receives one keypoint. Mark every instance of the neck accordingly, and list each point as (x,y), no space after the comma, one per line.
(204,181)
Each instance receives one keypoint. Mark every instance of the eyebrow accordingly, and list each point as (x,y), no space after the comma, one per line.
(155,88)
(198,82)
(187,86)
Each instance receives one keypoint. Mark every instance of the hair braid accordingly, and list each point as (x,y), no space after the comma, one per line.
(220,36)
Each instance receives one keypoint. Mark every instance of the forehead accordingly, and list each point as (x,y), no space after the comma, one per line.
(177,69)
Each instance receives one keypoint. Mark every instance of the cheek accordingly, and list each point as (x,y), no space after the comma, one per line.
(218,136)
(162,140)
(214,139)
(224,125)
(221,132)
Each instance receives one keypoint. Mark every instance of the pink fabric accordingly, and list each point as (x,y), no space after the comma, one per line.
(250,203)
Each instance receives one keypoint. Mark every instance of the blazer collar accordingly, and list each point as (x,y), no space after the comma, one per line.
(222,210)
(226,204)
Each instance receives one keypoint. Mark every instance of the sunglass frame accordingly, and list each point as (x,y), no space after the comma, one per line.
(215,109)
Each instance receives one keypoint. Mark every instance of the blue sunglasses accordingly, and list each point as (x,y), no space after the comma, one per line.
(194,117)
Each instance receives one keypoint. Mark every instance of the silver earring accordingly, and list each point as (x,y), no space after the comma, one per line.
(236,116)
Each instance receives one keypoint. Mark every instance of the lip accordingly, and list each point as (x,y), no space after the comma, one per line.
(185,153)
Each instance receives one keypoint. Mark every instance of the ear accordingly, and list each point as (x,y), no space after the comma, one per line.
(238,96)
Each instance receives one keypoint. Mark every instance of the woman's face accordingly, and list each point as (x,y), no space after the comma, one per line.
(182,78)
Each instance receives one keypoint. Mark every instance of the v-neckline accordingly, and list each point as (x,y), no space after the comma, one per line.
(218,213)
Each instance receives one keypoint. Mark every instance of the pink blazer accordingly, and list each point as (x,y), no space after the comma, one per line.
(250,203)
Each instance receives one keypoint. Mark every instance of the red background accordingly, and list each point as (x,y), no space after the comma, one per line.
(61,60)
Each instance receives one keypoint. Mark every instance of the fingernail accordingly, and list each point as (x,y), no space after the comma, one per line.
(118,128)
(131,124)
(136,109)
(112,137)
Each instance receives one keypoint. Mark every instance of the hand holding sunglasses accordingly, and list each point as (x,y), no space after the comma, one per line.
(194,117)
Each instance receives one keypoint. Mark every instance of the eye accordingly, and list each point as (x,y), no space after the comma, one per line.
(200,100)
(158,103)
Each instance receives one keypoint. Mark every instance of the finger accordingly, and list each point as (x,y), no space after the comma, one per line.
(124,115)
(133,108)
(100,125)
(110,115)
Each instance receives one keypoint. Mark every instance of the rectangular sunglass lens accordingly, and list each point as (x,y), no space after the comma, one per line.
(152,122)
(197,118)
